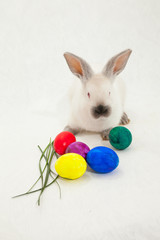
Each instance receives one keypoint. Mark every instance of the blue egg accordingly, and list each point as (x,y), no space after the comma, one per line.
(102,159)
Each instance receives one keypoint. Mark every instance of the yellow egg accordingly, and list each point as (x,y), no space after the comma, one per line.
(71,166)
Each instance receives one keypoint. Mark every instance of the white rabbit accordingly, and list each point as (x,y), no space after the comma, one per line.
(97,100)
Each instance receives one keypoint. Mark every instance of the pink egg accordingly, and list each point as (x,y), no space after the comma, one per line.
(79,148)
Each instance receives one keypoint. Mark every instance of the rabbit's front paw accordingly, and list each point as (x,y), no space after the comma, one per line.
(105,134)
(69,129)
(124,119)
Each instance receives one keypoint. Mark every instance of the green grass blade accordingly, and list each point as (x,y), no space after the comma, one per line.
(43,152)
(47,159)
(49,150)
(51,172)
(50,156)
(56,155)
(41,173)
(45,183)
(37,190)
(37,179)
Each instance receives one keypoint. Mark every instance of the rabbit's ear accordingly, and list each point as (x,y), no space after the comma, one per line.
(117,63)
(78,66)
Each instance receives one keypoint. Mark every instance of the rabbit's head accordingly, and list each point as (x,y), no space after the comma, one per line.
(98,89)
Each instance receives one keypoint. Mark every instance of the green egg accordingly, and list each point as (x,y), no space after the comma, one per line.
(120,137)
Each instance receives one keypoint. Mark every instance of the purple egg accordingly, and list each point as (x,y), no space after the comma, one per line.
(79,148)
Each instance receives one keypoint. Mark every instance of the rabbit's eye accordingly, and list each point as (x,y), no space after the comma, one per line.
(88,94)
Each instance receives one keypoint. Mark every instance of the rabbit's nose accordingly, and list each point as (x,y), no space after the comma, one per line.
(101,110)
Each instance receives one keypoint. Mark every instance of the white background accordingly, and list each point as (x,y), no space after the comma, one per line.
(34,79)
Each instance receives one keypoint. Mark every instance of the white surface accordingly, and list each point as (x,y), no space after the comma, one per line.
(33,81)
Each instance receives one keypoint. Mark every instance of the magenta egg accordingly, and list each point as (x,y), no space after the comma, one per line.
(79,148)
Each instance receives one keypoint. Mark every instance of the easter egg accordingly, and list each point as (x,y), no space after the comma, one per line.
(120,137)
(102,159)
(62,141)
(79,148)
(71,166)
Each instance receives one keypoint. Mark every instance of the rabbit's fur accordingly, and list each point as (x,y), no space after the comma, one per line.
(97,100)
